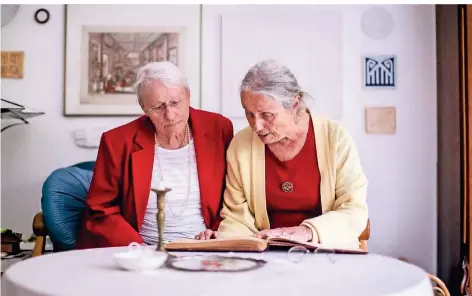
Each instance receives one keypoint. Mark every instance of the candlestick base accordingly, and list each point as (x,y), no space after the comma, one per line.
(161,193)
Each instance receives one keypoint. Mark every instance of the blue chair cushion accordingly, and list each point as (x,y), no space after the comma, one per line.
(63,202)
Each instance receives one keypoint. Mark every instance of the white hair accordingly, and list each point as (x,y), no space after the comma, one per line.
(166,72)
(274,80)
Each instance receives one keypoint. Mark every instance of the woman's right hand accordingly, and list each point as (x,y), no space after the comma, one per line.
(207,234)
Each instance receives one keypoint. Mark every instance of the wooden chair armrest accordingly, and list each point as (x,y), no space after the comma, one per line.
(365,235)
(440,287)
(40,232)
(38,225)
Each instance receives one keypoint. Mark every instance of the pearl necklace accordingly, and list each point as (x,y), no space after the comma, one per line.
(189,169)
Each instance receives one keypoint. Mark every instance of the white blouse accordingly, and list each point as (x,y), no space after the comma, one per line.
(183,217)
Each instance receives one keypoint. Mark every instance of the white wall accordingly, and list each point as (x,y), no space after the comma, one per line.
(401,168)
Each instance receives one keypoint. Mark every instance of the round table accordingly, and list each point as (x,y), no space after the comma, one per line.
(93,272)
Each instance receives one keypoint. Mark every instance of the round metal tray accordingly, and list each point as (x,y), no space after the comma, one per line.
(213,263)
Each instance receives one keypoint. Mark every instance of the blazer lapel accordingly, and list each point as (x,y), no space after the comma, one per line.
(205,154)
(142,160)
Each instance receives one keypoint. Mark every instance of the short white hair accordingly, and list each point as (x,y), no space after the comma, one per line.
(274,80)
(166,72)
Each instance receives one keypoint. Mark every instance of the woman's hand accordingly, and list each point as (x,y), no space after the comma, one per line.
(296,233)
(207,234)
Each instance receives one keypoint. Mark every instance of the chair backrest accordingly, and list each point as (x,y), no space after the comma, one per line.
(63,202)
(364,237)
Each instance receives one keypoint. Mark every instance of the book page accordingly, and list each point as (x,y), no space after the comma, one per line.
(349,248)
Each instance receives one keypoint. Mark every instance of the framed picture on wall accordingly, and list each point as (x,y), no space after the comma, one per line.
(104,48)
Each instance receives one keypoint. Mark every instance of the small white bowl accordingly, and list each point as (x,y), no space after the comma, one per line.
(140,259)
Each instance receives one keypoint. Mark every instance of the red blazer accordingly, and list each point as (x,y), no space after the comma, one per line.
(119,192)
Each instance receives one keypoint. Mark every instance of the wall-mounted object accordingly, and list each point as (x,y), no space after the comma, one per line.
(379,71)
(41,16)
(89,137)
(12,64)
(377,23)
(14,114)
(104,51)
(380,120)
(8,12)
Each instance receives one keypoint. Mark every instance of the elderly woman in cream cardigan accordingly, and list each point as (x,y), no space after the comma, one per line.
(290,174)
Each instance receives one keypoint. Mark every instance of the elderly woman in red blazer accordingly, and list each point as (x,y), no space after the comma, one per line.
(173,144)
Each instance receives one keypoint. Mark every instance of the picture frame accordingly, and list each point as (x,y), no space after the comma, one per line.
(379,71)
(104,50)
(380,120)
(13,64)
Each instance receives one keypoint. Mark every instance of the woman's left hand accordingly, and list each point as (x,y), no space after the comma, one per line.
(297,233)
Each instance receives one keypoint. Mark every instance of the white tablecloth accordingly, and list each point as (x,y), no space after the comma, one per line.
(92,272)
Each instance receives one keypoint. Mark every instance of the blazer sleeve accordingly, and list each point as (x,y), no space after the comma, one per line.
(227,134)
(237,217)
(348,218)
(104,220)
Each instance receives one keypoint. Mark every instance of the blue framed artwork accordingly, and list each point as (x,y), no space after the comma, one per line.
(379,71)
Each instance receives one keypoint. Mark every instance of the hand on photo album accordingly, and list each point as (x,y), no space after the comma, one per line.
(298,233)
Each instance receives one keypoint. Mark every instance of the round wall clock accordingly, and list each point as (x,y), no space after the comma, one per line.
(41,16)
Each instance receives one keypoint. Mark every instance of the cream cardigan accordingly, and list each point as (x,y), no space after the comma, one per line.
(343,186)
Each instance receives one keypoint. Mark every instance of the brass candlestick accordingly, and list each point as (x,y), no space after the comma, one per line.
(161,201)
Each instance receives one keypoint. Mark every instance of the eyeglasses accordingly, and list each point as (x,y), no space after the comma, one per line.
(162,107)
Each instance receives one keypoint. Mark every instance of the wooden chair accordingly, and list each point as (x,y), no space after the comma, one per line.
(40,232)
(439,288)
(62,203)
